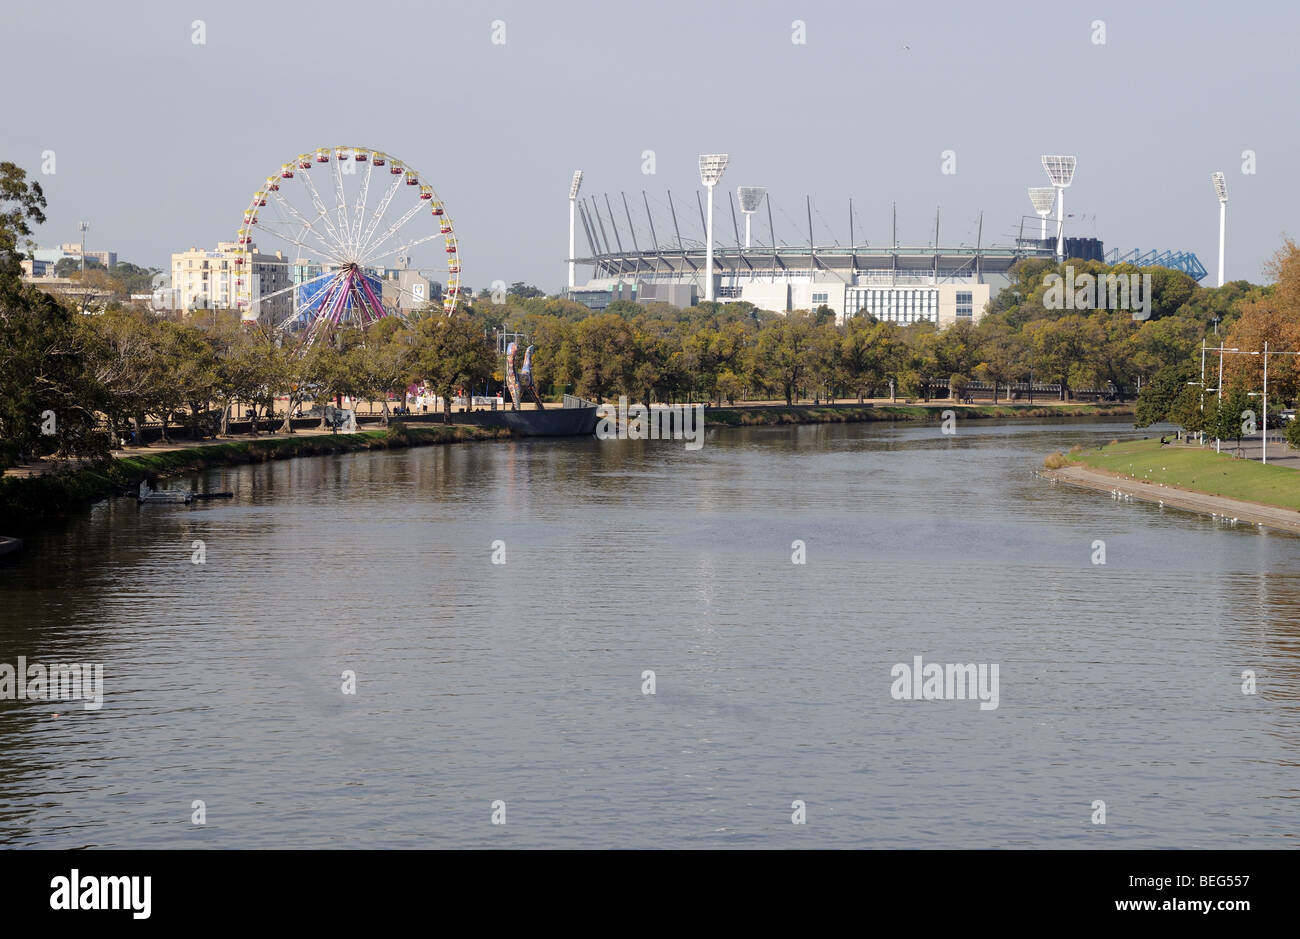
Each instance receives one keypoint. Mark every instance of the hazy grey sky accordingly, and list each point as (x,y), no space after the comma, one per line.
(159,142)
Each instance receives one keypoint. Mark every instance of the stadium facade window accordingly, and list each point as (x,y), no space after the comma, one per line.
(965,303)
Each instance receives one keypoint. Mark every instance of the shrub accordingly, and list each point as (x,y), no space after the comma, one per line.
(1055,461)
(397,435)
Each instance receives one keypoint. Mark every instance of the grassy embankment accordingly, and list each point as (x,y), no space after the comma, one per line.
(830,414)
(1191,468)
(24,499)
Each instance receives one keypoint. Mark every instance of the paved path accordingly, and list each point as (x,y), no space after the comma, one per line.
(1251,512)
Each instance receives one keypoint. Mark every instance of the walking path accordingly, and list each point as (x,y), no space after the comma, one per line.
(1252,512)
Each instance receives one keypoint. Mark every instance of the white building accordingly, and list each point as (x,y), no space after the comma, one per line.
(229,276)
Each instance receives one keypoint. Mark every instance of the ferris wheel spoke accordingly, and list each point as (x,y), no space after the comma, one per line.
(383,207)
(329,252)
(368,250)
(325,245)
(361,202)
(305,310)
(341,210)
(401,250)
(322,212)
(284,290)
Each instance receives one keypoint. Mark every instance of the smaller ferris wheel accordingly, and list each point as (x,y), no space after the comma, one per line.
(349,259)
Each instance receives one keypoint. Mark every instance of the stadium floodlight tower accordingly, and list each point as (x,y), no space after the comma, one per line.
(751,197)
(1221,190)
(573,195)
(82,226)
(1043,198)
(711,167)
(1060,170)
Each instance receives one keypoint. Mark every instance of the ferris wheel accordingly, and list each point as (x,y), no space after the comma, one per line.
(348,259)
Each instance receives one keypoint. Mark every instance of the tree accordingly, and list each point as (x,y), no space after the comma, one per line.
(450,353)
(524,291)
(1000,352)
(783,351)
(1229,419)
(1159,396)
(21,205)
(606,349)
(48,403)
(1292,433)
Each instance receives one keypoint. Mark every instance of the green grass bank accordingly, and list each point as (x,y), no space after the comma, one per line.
(1192,468)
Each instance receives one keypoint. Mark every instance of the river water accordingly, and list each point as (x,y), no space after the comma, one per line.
(521,683)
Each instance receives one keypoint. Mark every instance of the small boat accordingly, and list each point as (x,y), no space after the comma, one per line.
(170,496)
(177,496)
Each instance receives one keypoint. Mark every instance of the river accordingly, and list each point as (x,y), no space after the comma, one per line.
(486,689)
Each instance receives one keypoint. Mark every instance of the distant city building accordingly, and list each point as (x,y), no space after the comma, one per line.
(34,268)
(72,250)
(409,290)
(907,301)
(234,276)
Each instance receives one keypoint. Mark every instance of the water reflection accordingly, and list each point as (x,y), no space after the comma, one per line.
(522,681)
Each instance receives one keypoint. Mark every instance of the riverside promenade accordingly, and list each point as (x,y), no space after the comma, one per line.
(1171,494)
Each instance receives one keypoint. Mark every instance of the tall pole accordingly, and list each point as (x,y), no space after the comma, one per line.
(1060,223)
(1042,228)
(571,217)
(708,250)
(1202,389)
(1265,397)
(1223,224)
(748,216)
(1219,395)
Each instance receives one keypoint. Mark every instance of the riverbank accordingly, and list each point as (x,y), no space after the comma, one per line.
(1187,477)
(24,499)
(764,415)
(28,497)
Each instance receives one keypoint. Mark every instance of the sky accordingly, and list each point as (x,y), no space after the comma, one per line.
(158,141)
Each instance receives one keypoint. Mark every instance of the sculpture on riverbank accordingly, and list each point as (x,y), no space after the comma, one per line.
(520,384)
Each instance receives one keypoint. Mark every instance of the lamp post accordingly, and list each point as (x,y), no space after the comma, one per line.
(1266,353)
(1221,190)
(573,195)
(1060,170)
(1219,390)
(711,168)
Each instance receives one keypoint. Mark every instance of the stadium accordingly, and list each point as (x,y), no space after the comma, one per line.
(644,257)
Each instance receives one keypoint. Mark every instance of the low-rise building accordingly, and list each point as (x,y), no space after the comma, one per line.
(234,276)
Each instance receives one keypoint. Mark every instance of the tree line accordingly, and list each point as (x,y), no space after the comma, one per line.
(102,375)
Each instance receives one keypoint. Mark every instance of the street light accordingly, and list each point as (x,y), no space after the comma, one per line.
(1060,170)
(1221,190)
(711,168)
(1266,353)
(1043,198)
(1219,390)
(573,195)
(751,197)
